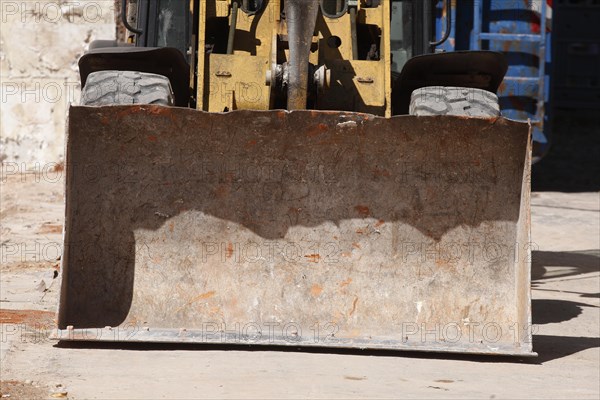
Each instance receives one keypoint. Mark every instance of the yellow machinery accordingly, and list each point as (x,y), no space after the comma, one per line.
(295,172)
(261,66)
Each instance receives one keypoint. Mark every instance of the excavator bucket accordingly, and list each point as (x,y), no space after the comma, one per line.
(301,228)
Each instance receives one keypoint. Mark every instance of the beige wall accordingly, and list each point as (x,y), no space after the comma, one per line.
(40,43)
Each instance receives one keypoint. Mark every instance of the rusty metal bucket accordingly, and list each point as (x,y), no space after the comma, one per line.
(301,228)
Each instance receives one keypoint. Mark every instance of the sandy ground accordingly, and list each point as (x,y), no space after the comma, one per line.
(566,314)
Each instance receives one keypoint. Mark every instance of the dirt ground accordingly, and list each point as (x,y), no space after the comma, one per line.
(566,314)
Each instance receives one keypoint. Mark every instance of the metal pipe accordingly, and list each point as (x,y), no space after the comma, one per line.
(448,30)
(232,27)
(301,17)
(124,19)
(353,33)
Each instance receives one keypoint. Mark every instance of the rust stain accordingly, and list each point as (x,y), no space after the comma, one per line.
(338,316)
(155,110)
(331,140)
(28,317)
(444,264)
(317,130)
(128,111)
(344,284)
(222,191)
(381,172)
(356,245)
(229,252)
(48,227)
(354,333)
(316,290)
(354,305)
(379,223)
(203,296)
(58,167)
(229,177)
(163,111)
(314,258)
(156,259)
(152,138)
(215,310)
(502,87)
(363,210)
(171,227)
(251,143)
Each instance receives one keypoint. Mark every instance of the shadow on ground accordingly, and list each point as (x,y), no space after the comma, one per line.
(138,346)
(548,348)
(563,264)
(556,311)
(554,347)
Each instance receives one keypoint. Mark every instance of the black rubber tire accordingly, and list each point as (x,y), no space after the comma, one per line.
(104,88)
(448,100)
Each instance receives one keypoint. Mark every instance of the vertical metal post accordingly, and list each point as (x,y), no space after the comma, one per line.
(301,16)
(477,18)
(353,33)
(232,27)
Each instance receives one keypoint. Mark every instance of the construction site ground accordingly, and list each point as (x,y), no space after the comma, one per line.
(566,317)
